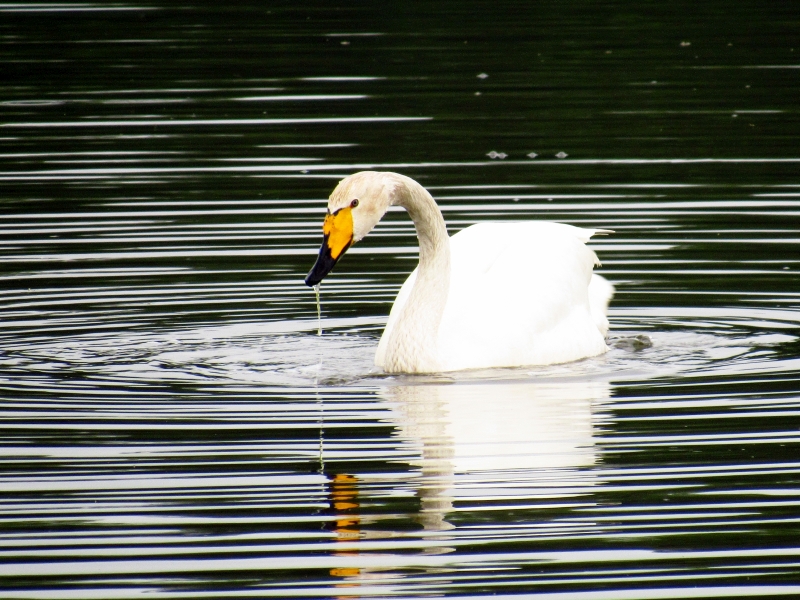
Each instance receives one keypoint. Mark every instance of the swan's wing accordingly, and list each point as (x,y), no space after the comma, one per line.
(519,295)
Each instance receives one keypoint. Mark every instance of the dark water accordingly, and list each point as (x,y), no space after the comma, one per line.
(172,426)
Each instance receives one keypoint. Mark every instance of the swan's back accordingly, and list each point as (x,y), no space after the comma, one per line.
(519,295)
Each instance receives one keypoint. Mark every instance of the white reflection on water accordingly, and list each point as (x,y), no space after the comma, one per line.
(68,7)
(301,97)
(515,438)
(206,122)
(502,425)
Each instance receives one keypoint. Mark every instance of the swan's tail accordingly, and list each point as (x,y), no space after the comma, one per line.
(585,235)
(600,293)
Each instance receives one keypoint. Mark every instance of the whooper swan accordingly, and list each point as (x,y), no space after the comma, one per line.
(493,295)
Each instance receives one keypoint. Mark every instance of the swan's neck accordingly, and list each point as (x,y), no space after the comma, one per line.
(434,243)
(412,346)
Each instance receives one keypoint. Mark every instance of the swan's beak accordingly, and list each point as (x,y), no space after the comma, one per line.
(338,231)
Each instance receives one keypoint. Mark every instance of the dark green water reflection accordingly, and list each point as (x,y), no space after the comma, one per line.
(171,424)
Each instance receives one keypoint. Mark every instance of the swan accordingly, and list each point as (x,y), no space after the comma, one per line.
(493,295)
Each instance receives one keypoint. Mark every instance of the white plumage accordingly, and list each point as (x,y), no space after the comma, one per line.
(520,294)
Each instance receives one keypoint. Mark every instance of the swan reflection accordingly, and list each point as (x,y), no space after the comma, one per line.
(478,447)
(490,441)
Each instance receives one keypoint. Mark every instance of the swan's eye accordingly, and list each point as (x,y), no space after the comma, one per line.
(354,203)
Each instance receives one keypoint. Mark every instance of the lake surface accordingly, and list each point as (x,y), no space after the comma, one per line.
(172,424)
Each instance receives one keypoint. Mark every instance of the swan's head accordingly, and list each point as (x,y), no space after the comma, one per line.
(354,208)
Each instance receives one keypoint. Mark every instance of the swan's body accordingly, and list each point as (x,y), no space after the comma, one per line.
(493,295)
(520,294)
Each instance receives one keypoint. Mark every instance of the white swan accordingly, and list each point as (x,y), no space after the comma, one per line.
(493,295)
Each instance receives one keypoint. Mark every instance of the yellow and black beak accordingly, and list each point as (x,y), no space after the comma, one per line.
(338,230)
